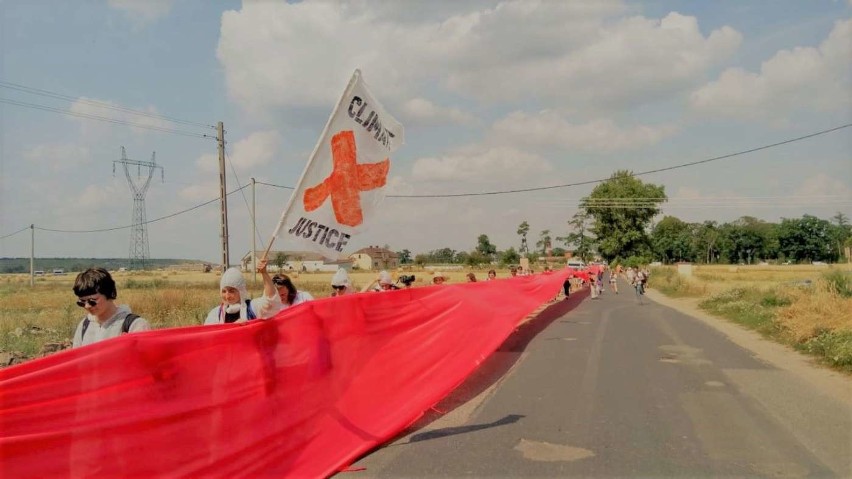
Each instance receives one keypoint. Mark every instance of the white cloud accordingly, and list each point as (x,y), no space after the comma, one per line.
(59,157)
(548,128)
(278,54)
(142,11)
(424,112)
(246,155)
(480,164)
(803,78)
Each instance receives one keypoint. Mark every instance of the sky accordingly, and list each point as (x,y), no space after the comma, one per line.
(494,96)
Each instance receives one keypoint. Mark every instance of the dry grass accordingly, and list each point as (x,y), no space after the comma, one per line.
(814,311)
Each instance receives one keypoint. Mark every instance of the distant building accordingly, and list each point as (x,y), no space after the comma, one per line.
(302,261)
(375,258)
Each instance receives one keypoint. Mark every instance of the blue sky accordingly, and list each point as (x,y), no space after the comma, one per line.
(493,96)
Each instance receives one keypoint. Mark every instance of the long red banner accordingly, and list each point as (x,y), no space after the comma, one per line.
(301,395)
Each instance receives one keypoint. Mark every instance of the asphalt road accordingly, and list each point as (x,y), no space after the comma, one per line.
(611,388)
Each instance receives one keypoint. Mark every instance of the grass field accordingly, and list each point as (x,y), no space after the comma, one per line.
(807,307)
(45,313)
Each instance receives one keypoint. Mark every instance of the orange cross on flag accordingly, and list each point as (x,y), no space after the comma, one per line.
(346,181)
(343,182)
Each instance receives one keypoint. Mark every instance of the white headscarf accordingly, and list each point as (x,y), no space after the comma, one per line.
(233,278)
(385,278)
(341,278)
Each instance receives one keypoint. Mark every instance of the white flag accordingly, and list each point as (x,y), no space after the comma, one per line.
(343,182)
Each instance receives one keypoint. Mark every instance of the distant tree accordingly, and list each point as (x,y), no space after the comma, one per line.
(510,256)
(578,240)
(622,208)
(705,237)
(671,240)
(404,256)
(557,251)
(476,258)
(442,255)
(461,257)
(543,241)
(807,239)
(744,240)
(485,248)
(279,260)
(421,259)
(842,232)
(523,229)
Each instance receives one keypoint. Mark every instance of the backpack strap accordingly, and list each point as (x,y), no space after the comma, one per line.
(85,327)
(128,321)
(125,326)
(250,310)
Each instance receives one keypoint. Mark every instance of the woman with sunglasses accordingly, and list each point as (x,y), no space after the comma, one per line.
(96,293)
(340,283)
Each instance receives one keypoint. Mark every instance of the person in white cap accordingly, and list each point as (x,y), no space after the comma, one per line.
(438,278)
(340,283)
(383,282)
(236,307)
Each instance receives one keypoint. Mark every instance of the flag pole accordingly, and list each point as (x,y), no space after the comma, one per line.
(355,76)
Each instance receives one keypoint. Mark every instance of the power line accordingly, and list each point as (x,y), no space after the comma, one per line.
(601,180)
(172,215)
(102,118)
(642,173)
(100,104)
(16,232)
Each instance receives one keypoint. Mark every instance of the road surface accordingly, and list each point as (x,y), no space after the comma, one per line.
(611,388)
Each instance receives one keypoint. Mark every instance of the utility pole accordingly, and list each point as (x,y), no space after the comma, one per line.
(32,254)
(253,233)
(223,196)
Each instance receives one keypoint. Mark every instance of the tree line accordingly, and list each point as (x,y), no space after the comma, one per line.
(615,223)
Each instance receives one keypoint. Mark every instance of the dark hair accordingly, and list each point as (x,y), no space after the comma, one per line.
(284,280)
(94,281)
(491,271)
(471,277)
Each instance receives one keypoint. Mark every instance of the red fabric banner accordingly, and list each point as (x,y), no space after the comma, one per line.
(300,395)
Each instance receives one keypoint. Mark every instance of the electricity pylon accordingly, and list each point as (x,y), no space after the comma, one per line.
(139,252)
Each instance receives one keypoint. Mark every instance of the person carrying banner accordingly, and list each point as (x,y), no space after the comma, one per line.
(236,307)
(279,293)
(383,282)
(340,283)
(96,293)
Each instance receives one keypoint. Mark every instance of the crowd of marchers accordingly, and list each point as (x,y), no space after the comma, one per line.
(104,318)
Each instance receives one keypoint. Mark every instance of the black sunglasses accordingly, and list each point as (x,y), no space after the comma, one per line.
(338,288)
(278,281)
(92,302)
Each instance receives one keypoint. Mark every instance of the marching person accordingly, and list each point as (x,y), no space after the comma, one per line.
(383,282)
(236,306)
(279,293)
(340,283)
(96,293)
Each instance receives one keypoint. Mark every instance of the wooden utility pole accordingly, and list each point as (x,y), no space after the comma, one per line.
(223,196)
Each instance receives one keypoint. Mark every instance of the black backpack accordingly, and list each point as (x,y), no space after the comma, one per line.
(125,326)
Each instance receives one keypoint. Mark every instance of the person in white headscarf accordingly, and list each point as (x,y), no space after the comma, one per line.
(383,282)
(236,306)
(340,283)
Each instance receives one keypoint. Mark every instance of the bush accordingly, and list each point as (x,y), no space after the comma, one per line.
(840,282)
(835,347)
